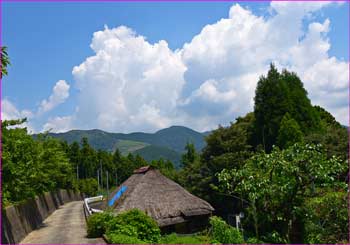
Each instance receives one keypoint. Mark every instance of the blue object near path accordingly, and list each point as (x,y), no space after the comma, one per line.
(118,195)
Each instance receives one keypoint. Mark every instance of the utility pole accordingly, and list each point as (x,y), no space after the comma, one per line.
(77,172)
(98,180)
(107,185)
(101,174)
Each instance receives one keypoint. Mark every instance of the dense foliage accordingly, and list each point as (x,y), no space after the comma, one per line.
(127,227)
(31,167)
(223,233)
(278,185)
(135,223)
(134,226)
(90,163)
(97,224)
(117,238)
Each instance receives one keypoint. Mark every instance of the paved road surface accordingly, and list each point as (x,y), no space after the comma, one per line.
(65,225)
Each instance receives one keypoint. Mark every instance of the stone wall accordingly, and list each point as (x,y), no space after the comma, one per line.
(19,220)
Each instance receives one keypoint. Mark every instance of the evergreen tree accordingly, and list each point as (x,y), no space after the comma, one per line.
(189,156)
(289,132)
(271,104)
(276,95)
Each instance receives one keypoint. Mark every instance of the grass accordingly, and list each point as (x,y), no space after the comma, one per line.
(184,239)
(127,146)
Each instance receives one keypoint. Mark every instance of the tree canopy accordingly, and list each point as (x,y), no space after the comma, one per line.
(5,61)
(278,186)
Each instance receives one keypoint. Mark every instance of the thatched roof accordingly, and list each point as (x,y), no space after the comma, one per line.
(164,200)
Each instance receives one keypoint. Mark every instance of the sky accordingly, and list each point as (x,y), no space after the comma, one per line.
(126,67)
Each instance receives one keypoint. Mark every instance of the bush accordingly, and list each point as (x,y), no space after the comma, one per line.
(113,228)
(135,223)
(116,238)
(97,223)
(223,233)
(176,239)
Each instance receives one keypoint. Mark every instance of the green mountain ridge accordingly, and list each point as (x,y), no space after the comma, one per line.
(168,143)
(153,152)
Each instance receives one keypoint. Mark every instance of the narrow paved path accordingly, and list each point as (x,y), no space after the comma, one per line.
(66,225)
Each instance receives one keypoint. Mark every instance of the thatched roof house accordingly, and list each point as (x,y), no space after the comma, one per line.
(164,200)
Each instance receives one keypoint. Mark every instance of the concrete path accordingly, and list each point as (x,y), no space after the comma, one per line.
(66,225)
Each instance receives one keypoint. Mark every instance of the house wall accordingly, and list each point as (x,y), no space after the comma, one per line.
(19,220)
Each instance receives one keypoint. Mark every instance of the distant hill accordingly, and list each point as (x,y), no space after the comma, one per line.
(168,143)
(152,152)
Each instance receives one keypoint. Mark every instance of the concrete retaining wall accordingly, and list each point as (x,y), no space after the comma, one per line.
(21,219)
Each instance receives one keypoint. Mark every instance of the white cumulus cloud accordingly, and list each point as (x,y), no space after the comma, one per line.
(130,84)
(10,112)
(58,124)
(60,93)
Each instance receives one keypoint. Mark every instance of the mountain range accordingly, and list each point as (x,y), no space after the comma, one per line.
(168,143)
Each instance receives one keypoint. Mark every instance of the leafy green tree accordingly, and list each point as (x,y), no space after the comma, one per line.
(88,186)
(333,136)
(56,163)
(5,61)
(289,132)
(327,117)
(223,233)
(229,147)
(276,186)
(88,158)
(31,167)
(328,217)
(166,168)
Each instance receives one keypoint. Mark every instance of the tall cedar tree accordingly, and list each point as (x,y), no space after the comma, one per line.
(276,95)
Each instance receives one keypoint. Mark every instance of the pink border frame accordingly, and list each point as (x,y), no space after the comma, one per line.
(346,1)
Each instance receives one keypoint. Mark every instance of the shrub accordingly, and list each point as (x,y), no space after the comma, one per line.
(129,222)
(116,238)
(96,224)
(223,233)
(113,228)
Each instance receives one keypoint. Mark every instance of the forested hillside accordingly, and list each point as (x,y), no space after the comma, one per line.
(174,138)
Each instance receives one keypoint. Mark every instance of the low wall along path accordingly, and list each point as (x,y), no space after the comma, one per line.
(55,217)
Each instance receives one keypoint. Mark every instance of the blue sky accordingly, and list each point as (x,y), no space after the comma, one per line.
(204,83)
